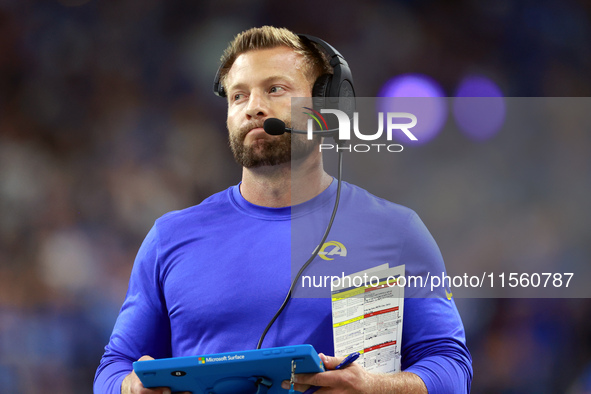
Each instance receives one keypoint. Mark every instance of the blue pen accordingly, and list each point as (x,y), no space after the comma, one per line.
(346,362)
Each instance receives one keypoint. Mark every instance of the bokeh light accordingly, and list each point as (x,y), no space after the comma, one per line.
(479,107)
(417,94)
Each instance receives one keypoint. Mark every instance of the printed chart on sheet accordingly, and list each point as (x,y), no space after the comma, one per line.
(367,311)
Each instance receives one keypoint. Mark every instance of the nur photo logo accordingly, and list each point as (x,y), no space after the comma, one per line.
(395,122)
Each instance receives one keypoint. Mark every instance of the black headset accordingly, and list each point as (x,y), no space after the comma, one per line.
(328,88)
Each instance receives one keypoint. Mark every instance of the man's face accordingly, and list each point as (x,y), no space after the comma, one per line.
(260,85)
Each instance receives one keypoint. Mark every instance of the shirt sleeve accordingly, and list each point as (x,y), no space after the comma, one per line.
(142,327)
(433,338)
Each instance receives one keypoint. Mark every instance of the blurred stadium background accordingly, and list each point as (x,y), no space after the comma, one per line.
(107,121)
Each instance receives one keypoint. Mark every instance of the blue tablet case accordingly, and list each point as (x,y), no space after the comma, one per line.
(242,372)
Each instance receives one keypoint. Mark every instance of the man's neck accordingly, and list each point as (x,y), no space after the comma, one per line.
(284,185)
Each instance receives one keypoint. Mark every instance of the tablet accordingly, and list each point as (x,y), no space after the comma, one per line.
(241,372)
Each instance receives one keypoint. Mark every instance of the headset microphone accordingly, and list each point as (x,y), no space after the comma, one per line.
(274,126)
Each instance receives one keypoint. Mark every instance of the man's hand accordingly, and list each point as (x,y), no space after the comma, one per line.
(132,384)
(355,379)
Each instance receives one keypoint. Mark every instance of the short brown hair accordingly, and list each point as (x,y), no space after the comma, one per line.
(316,62)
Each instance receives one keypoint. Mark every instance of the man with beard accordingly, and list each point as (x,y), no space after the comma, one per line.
(209,278)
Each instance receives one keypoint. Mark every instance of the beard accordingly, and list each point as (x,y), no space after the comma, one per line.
(269,152)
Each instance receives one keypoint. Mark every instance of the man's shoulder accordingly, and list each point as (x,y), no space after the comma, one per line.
(369,203)
(213,205)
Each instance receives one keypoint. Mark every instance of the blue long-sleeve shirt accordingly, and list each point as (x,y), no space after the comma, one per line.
(209,278)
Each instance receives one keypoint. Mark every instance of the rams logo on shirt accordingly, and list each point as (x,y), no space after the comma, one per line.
(332,248)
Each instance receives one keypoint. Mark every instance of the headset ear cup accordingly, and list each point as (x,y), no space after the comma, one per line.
(321,85)
(347,98)
(320,90)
